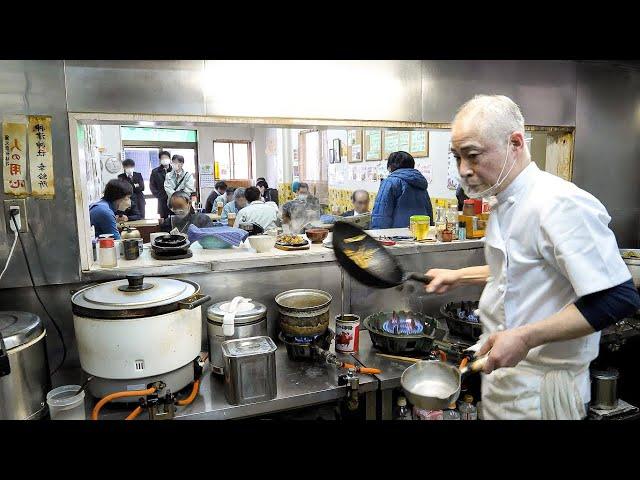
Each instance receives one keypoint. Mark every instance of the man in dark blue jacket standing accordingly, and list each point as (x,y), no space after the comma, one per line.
(401,195)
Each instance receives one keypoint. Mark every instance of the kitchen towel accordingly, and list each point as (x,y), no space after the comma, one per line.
(230,235)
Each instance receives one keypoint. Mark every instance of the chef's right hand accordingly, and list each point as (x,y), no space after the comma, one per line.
(442,280)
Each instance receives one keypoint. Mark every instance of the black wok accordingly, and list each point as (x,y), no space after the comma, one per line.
(379,269)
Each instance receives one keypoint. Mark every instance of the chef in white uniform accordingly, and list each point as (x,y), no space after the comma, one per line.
(554,277)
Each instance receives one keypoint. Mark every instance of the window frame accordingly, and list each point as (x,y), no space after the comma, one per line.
(248,143)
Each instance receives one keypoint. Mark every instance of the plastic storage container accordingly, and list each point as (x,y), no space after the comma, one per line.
(419,226)
(64,404)
(107,253)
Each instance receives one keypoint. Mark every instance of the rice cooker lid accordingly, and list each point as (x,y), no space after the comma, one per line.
(134,294)
(247,312)
(18,328)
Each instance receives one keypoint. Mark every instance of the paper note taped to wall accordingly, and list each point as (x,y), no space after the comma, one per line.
(14,149)
(41,157)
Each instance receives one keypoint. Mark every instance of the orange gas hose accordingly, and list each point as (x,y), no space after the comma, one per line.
(135,413)
(192,396)
(113,396)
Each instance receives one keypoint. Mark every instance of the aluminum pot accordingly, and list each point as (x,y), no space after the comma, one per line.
(434,385)
(304,312)
(135,331)
(250,321)
(24,369)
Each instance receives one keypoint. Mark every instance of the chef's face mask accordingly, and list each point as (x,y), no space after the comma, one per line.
(474,191)
(181,212)
(165,161)
(128,170)
(124,204)
(302,196)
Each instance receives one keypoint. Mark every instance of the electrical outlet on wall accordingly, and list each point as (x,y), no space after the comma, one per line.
(21,204)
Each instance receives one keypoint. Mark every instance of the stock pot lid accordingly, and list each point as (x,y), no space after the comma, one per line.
(247,312)
(18,328)
(136,292)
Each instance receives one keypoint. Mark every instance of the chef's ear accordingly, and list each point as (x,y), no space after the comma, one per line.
(516,140)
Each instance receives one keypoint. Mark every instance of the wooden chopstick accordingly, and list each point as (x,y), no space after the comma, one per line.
(396,357)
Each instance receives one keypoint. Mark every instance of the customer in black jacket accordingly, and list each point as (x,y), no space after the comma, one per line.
(360,201)
(219,189)
(137,182)
(156,183)
(267,194)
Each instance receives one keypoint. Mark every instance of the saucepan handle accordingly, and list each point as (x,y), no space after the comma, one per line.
(476,365)
(419,277)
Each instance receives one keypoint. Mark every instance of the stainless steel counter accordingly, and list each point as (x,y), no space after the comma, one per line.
(244,258)
(391,369)
(300,384)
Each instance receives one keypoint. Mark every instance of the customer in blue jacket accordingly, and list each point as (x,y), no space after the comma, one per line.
(401,195)
(102,214)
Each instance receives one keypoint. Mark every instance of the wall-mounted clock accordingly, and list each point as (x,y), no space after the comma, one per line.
(113,165)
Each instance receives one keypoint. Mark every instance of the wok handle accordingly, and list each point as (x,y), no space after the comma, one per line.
(419,277)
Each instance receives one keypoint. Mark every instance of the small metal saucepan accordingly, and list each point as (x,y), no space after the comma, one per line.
(434,385)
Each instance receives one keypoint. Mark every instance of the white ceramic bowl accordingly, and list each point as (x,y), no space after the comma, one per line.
(262,243)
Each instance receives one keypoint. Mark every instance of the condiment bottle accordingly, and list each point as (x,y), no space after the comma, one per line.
(108,256)
(462,230)
(468,208)
(452,219)
(467,410)
(403,412)
(451,413)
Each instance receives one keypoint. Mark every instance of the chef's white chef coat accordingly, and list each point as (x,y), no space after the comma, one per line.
(547,244)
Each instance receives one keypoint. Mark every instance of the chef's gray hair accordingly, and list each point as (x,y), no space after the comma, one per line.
(498,115)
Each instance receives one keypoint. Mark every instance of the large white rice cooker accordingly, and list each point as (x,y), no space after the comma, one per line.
(133,332)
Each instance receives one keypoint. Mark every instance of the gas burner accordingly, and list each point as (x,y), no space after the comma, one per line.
(308,348)
(402,326)
(462,319)
(402,332)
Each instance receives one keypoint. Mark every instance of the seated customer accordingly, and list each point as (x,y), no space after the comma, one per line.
(256,212)
(183,214)
(128,215)
(228,195)
(219,188)
(267,194)
(102,214)
(360,201)
(238,203)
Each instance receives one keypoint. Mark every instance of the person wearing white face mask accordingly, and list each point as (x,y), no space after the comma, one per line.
(138,201)
(102,214)
(156,183)
(183,215)
(178,179)
(554,276)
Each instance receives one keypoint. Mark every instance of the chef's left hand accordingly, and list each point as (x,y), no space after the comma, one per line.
(508,348)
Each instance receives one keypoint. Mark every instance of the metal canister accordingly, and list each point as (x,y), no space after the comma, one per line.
(605,389)
(347,333)
(131,248)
